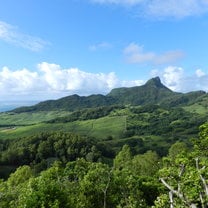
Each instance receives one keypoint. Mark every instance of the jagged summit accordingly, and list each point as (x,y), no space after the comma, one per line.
(152,84)
(153,91)
(156,82)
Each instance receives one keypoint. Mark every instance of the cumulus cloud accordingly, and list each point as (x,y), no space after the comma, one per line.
(173,77)
(15,81)
(177,79)
(75,80)
(52,81)
(135,54)
(12,35)
(163,8)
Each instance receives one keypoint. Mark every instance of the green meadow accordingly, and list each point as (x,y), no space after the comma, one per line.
(28,118)
(99,128)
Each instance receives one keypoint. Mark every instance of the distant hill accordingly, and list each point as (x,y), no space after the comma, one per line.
(69,103)
(152,92)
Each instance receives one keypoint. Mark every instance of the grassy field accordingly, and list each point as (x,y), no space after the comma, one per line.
(99,128)
(200,107)
(197,108)
(10,118)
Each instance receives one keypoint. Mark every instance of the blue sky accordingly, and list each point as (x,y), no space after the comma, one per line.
(50,49)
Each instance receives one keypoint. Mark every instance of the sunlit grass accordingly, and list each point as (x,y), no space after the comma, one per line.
(99,128)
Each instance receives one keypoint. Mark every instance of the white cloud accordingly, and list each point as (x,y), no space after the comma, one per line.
(163,8)
(177,79)
(75,80)
(173,77)
(100,46)
(10,34)
(200,73)
(135,54)
(15,81)
(52,81)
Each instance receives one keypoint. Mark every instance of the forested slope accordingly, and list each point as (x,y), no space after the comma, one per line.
(136,181)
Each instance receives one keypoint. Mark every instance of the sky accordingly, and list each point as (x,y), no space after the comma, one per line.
(54,48)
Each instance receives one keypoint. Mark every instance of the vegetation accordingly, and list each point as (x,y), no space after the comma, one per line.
(28,118)
(132,148)
(142,180)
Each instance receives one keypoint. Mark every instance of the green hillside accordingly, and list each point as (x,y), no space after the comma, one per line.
(151,126)
(153,92)
(28,118)
(100,128)
(70,103)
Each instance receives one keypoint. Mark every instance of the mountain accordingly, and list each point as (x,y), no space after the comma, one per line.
(69,103)
(152,92)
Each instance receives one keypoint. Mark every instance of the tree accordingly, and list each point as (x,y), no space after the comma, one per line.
(123,159)
(185,177)
(10,189)
(177,148)
(95,185)
(46,190)
(146,165)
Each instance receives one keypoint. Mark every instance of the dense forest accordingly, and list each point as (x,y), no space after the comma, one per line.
(78,176)
(136,147)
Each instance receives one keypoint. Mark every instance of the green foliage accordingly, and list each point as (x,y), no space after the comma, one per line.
(58,169)
(176,149)
(148,127)
(96,180)
(79,184)
(69,103)
(11,119)
(43,149)
(184,174)
(44,191)
(146,164)
(87,114)
(123,158)
(152,92)
(155,122)
(100,128)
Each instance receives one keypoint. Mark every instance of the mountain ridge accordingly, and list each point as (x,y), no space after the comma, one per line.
(152,92)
